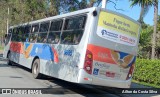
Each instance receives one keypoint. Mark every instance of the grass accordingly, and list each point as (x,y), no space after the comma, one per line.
(1,47)
(146,84)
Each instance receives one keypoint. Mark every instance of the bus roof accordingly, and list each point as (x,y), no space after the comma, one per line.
(59,16)
(87,10)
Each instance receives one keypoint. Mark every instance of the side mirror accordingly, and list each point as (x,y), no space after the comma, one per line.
(5,36)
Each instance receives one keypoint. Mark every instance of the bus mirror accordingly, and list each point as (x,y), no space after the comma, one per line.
(5,35)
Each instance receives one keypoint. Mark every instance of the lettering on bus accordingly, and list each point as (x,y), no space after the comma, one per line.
(102,55)
(68,52)
(127,39)
(109,74)
(102,65)
(107,33)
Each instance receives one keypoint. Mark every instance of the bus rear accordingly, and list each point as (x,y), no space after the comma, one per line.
(111,50)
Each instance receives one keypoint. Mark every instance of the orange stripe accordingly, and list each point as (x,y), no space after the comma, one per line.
(16,47)
(101,54)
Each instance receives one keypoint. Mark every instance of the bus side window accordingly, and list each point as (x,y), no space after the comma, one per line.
(35,28)
(73,30)
(27,30)
(33,38)
(34,33)
(42,37)
(14,34)
(21,34)
(55,31)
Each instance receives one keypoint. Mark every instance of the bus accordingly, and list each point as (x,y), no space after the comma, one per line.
(90,46)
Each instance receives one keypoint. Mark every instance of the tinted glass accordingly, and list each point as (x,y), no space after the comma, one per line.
(44,27)
(56,25)
(75,23)
(35,28)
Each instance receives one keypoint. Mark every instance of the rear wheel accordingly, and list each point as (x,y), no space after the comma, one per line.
(36,69)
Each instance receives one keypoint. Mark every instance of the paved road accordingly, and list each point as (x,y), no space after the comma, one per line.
(20,77)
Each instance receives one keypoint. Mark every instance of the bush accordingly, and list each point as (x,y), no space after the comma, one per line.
(147,71)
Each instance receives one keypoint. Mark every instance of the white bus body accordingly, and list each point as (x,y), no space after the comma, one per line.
(105,54)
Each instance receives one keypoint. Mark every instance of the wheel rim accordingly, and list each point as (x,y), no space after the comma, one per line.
(35,70)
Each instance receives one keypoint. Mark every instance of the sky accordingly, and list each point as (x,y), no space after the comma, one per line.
(132,12)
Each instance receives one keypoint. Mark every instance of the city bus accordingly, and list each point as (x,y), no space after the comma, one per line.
(91,46)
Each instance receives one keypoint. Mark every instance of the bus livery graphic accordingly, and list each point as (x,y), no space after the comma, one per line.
(80,47)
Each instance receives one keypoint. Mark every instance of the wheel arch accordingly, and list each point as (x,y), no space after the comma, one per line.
(8,53)
(36,57)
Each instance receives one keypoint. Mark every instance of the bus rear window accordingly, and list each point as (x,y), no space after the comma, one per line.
(73,30)
(75,23)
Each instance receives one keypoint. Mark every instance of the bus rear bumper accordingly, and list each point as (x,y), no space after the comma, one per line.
(90,79)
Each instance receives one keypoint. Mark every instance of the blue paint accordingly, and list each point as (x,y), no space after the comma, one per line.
(122,55)
(43,51)
(95,71)
(68,52)
(26,45)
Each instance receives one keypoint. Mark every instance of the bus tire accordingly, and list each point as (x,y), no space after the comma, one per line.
(36,69)
(9,61)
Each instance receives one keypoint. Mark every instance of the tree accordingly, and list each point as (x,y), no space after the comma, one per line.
(155,3)
(145,4)
(145,41)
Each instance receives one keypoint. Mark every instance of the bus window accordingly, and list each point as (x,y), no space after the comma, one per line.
(14,35)
(27,29)
(73,30)
(33,37)
(21,33)
(10,31)
(34,33)
(55,31)
(15,30)
(75,23)
(44,27)
(35,28)
(56,25)
(42,37)
(54,38)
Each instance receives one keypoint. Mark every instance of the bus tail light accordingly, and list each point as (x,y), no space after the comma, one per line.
(88,62)
(130,72)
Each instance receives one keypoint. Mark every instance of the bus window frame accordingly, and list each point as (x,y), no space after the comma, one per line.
(54,32)
(31,33)
(65,31)
(44,22)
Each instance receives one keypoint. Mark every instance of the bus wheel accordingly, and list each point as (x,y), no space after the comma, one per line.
(9,62)
(36,69)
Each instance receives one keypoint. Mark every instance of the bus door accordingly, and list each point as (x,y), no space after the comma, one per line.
(7,45)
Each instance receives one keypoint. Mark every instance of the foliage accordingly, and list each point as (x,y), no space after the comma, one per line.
(146,84)
(147,71)
(27,10)
(145,5)
(145,42)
